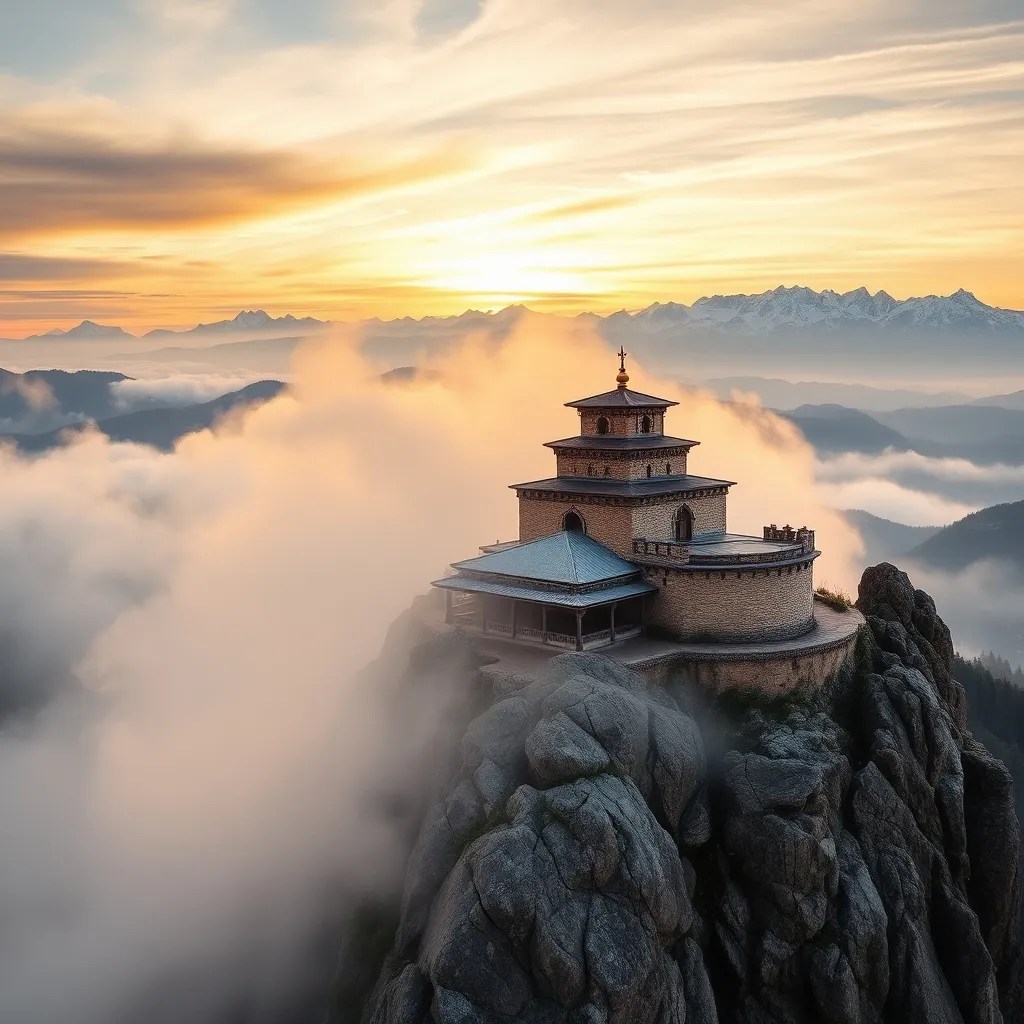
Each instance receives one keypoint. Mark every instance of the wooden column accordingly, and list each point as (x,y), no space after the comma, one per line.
(544,623)
(579,630)
(514,606)
(449,615)
(613,621)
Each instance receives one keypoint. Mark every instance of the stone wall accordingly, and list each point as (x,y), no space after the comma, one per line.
(747,605)
(612,525)
(617,525)
(791,672)
(618,468)
(621,423)
(657,522)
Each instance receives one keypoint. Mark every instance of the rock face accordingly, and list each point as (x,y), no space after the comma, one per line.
(851,859)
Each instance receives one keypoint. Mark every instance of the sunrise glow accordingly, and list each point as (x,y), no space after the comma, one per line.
(198,156)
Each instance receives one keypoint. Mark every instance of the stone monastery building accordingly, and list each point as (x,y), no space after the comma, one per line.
(624,541)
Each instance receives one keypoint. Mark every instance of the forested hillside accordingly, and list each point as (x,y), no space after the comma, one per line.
(996,717)
(994,533)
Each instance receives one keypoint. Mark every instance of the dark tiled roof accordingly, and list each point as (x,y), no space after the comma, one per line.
(560,598)
(570,558)
(608,487)
(621,398)
(607,443)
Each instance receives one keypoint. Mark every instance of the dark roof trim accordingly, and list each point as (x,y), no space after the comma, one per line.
(610,488)
(633,443)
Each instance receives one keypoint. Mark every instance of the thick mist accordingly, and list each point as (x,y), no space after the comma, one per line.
(916,489)
(175,389)
(192,756)
(983,605)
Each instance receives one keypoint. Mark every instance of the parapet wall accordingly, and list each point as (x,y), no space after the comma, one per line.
(774,677)
(798,666)
(736,605)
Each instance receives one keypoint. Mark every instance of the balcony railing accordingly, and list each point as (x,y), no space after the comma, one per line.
(599,638)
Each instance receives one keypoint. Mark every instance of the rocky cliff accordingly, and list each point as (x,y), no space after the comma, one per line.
(611,850)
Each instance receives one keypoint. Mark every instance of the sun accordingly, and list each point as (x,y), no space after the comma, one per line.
(509,275)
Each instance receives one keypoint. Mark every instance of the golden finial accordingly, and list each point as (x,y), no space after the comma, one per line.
(623,377)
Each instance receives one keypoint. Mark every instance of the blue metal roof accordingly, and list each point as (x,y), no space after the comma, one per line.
(539,595)
(570,558)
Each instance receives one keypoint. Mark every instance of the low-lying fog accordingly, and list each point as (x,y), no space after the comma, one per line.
(190,759)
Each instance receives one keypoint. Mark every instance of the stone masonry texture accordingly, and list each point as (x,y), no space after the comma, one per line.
(747,605)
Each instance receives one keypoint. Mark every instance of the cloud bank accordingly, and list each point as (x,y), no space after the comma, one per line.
(192,760)
(178,389)
(916,489)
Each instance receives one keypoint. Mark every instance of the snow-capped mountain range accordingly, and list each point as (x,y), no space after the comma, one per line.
(780,309)
(802,309)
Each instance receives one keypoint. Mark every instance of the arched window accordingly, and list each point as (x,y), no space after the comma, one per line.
(668,469)
(602,425)
(590,470)
(684,524)
(607,470)
(649,471)
(573,522)
(645,425)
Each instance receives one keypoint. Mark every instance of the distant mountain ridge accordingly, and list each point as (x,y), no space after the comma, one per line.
(87,330)
(248,320)
(43,399)
(883,539)
(781,308)
(985,435)
(777,393)
(993,533)
(162,427)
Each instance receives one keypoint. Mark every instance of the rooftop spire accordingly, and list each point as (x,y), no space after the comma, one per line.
(623,377)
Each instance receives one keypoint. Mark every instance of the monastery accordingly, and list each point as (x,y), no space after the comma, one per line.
(624,544)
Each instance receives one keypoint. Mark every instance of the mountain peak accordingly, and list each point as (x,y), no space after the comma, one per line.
(800,308)
(252,317)
(90,329)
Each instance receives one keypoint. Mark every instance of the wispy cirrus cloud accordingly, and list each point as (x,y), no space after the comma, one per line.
(621,154)
(16,266)
(61,182)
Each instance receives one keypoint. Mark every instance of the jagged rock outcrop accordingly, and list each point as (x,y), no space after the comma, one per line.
(853,857)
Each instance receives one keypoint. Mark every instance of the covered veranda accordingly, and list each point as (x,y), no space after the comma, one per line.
(546,621)
(564,590)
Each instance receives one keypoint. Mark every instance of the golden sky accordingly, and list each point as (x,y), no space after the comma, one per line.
(169,161)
